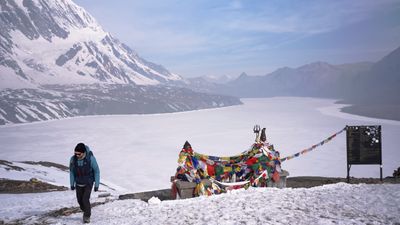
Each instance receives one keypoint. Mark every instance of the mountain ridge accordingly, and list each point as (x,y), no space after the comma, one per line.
(372,88)
(50,47)
(52,42)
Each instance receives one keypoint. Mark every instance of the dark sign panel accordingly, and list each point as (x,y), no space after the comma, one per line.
(364,145)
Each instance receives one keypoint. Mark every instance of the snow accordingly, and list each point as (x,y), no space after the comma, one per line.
(74,11)
(37,58)
(330,204)
(154,201)
(21,6)
(139,153)
(47,174)
(147,146)
(337,203)
(45,53)
(52,108)
(9,79)
(23,205)
(31,111)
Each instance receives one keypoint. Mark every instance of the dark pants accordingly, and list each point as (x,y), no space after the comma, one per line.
(83,196)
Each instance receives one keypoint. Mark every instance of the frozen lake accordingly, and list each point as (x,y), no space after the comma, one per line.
(139,152)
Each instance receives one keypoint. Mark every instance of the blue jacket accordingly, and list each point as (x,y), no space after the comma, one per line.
(93,165)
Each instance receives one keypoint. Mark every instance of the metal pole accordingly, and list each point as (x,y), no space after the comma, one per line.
(348,173)
(380,147)
(347,153)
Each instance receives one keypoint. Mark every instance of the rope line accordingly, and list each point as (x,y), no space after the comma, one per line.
(312,147)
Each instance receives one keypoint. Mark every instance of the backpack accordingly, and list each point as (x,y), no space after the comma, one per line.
(84,174)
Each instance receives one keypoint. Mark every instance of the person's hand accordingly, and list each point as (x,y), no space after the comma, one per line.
(96,189)
(72,187)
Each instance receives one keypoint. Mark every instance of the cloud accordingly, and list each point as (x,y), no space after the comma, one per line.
(182,34)
(181,27)
(304,17)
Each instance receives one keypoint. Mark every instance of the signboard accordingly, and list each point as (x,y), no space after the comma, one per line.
(364,145)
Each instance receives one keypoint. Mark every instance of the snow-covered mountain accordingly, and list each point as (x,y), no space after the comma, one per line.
(60,101)
(56,61)
(58,42)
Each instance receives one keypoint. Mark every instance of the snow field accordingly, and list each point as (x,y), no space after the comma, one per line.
(330,204)
(140,152)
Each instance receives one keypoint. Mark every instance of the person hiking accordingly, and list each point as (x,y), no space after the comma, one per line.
(84,171)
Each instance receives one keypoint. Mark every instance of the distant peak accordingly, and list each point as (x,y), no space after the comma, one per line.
(243,74)
(314,65)
(282,69)
(319,63)
(395,54)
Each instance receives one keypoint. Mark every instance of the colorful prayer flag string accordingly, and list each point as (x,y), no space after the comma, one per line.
(254,167)
(312,147)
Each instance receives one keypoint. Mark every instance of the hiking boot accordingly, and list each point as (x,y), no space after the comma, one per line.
(86,219)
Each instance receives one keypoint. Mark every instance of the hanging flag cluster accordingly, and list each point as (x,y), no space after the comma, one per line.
(254,167)
(312,147)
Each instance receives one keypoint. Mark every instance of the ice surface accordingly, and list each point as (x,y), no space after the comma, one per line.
(139,152)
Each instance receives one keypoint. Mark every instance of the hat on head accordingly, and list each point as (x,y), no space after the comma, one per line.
(80,148)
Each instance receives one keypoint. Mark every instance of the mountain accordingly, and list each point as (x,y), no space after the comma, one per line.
(383,80)
(318,79)
(201,84)
(218,79)
(356,82)
(58,42)
(376,93)
(206,84)
(55,43)
(60,101)
(372,89)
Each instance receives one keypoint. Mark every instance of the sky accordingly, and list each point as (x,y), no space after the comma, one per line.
(228,37)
